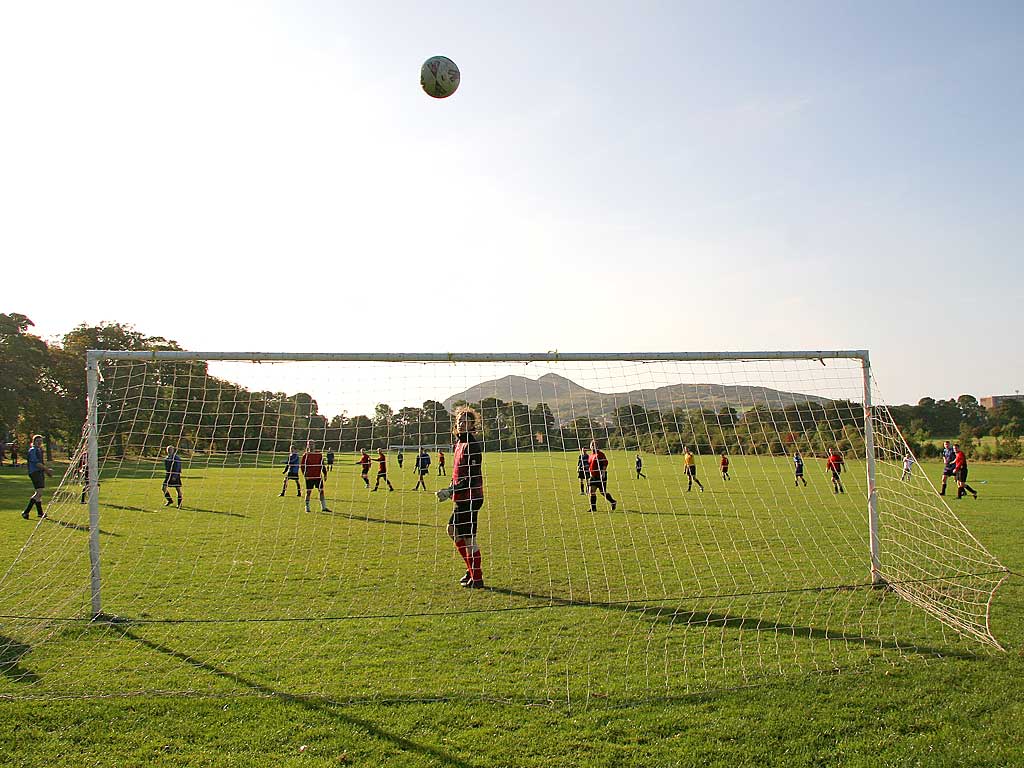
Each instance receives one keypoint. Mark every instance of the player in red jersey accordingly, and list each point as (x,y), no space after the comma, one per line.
(440,463)
(725,467)
(382,470)
(835,466)
(597,467)
(467,491)
(364,462)
(312,465)
(960,466)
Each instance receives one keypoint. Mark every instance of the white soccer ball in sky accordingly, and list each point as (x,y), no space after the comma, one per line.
(439,77)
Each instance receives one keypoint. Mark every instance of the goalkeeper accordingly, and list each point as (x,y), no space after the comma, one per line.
(467,491)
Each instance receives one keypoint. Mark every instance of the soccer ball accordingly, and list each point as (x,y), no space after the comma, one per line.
(439,77)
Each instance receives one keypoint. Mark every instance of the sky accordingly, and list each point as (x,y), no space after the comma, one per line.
(608,177)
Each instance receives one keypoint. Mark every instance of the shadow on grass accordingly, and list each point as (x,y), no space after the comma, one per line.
(684,617)
(76,527)
(368,519)
(324,706)
(11,652)
(184,508)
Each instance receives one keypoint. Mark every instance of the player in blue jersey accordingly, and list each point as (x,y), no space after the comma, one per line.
(37,472)
(172,475)
(291,471)
(640,467)
(948,465)
(798,465)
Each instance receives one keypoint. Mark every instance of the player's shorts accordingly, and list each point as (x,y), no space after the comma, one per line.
(691,471)
(581,474)
(800,472)
(172,481)
(463,519)
(38,479)
(961,475)
(835,476)
(292,476)
(364,472)
(382,474)
(314,482)
(422,471)
(948,471)
(597,483)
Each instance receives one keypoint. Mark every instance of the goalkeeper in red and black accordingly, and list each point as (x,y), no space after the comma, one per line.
(467,491)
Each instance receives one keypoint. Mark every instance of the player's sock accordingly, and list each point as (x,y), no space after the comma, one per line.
(593,502)
(39,508)
(474,565)
(31,503)
(464,552)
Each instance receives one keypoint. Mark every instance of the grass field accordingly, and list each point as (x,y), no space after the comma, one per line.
(683,628)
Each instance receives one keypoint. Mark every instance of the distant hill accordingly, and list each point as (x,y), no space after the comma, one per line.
(568,400)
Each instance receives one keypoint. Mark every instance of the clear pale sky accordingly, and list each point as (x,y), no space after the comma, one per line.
(609,176)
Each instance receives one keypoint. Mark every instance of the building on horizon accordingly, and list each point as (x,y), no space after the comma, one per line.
(994,401)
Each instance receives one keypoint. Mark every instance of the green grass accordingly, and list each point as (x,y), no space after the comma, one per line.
(659,634)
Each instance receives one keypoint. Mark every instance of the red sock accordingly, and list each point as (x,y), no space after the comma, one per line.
(476,572)
(464,551)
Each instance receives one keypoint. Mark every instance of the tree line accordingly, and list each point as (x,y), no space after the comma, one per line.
(42,390)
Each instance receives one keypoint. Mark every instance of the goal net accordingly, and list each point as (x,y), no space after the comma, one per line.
(639,579)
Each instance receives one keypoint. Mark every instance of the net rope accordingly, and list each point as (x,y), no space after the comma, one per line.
(676,589)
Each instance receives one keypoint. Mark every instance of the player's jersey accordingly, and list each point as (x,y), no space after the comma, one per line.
(172,470)
(725,462)
(330,457)
(467,473)
(597,464)
(440,459)
(949,457)
(639,462)
(798,462)
(35,459)
(582,463)
(908,463)
(312,465)
(959,461)
(293,464)
(688,460)
(364,462)
(422,462)
(835,464)
(382,465)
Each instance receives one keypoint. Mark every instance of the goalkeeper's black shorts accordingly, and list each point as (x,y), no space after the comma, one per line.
(463,519)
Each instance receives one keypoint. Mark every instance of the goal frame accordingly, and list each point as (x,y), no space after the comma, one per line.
(95,356)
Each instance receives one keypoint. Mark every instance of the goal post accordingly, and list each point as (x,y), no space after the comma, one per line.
(704,545)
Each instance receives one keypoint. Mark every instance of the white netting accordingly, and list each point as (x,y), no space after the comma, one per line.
(673,591)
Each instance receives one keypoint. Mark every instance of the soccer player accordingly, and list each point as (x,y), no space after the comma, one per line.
(364,462)
(312,465)
(724,465)
(960,462)
(835,466)
(83,468)
(640,468)
(3,452)
(690,468)
(401,458)
(422,464)
(597,467)
(14,454)
(172,476)
(440,463)
(948,465)
(330,459)
(798,465)
(291,471)
(583,470)
(382,470)
(908,464)
(467,491)
(37,472)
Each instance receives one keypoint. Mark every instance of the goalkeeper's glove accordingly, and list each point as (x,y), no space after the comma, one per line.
(444,494)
